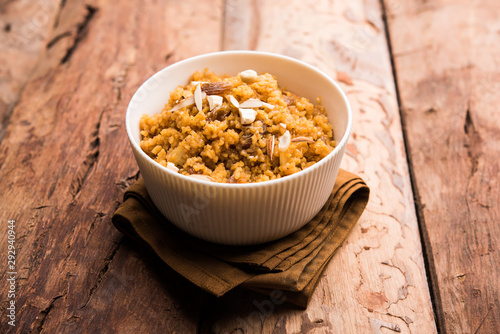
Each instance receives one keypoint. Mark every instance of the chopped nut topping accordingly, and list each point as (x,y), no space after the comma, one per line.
(267,105)
(197,97)
(187,102)
(248,76)
(302,139)
(251,103)
(172,167)
(284,141)
(198,82)
(240,133)
(270,147)
(234,102)
(202,177)
(214,101)
(184,103)
(247,115)
(215,88)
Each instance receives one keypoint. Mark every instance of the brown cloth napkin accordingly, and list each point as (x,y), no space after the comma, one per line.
(292,264)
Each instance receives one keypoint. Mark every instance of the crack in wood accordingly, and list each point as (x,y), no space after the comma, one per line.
(407,320)
(377,324)
(307,325)
(81,32)
(90,160)
(72,319)
(128,181)
(280,326)
(169,55)
(118,81)
(370,22)
(482,321)
(4,152)
(4,123)
(474,140)
(68,246)
(41,207)
(97,216)
(403,290)
(57,38)
(118,74)
(100,275)
(473,147)
(40,319)
(58,16)
(38,246)
(428,258)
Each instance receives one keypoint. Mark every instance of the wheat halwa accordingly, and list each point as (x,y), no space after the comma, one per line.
(237,129)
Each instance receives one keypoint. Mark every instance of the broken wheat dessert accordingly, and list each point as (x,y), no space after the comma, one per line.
(236,129)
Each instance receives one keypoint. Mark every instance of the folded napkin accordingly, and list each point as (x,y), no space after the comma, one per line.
(292,265)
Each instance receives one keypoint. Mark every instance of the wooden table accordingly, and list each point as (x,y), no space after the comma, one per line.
(423,78)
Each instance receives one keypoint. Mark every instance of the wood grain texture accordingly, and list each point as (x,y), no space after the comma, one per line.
(376,282)
(24,27)
(449,82)
(65,162)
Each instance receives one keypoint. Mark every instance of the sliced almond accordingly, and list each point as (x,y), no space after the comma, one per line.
(233,100)
(270,147)
(202,177)
(197,97)
(302,139)
(187,102)
(247,116)
(172,167)
(198,82)
(251,103)
(214,101)
(283,125)
(284,141)
(184,103)
(267,105)
(248,76)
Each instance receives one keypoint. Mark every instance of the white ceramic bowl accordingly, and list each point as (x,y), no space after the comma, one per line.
(241,214)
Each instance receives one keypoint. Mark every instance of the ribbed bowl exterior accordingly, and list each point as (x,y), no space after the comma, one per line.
(243,214)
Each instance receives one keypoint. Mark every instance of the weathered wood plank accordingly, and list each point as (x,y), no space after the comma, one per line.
(377,279)
(65,162)
(24,26)
(449,80)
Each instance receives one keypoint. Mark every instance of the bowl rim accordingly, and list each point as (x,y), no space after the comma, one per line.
(299,174)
